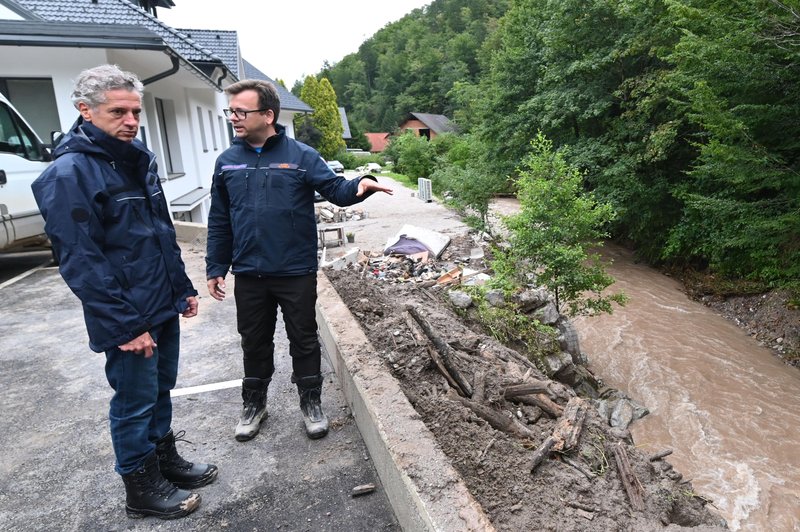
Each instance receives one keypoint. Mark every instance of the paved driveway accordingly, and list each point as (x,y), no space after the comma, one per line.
(56,471)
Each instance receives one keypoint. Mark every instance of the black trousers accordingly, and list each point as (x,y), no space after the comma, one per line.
(257,301)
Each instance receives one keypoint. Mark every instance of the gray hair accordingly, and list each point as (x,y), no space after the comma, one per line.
(93,83)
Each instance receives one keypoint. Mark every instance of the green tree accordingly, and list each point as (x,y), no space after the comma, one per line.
(551,235)
(738,64)
(412,155)
(321,97)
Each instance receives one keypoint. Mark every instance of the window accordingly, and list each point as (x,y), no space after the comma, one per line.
(202,128)
(222,131)
(17,138)
(213,131)
(35,99)
(165,114)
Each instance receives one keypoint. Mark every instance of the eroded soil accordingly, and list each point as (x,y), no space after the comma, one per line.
(579,489)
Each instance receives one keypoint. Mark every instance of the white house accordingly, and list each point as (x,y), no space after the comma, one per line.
(44,44)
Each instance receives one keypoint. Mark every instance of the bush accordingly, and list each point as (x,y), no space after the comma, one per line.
(412,155)
(352,161)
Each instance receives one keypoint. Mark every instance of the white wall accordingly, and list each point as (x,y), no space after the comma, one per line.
(61,65)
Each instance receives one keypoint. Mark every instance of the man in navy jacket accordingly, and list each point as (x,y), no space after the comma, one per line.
(262,226)
(111,230)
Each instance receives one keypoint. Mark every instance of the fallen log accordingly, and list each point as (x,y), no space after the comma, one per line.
(660,455)
(445,352)
(633,488)
(542,401)
(497,420)
(565,434)
(443,370)
(529,387)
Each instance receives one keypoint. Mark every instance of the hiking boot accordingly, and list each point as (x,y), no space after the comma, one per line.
(254,409)
(310,391)
(183,474)
(147,492)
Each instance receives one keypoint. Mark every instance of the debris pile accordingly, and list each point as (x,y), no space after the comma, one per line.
(537,454)
(333,214)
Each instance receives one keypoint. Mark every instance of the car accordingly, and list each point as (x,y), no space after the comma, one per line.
(336,166)
(373,167)
(23,157)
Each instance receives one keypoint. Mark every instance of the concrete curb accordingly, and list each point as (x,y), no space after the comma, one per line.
(424,490)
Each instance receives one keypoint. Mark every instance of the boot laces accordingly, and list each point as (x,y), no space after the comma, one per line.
(252,404)
(171,456)
(155,483)
(310,402)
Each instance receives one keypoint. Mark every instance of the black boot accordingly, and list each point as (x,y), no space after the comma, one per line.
(254,409)
(310,390)
(149,493)
(183,474)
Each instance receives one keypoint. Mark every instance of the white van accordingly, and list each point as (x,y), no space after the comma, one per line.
(22,158)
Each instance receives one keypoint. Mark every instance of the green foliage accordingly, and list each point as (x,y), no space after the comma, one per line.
(461,172)
(510,327)
(357,138)
(412,155)
(683,116)
(742,196)
(412,64)
(557,224)
(306,132)
(322,98)
(351,161)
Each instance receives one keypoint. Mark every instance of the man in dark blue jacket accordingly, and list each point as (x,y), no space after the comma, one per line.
(262,226)
(111,231)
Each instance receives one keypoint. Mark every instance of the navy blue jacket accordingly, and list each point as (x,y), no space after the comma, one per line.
(112,233)
(262,219)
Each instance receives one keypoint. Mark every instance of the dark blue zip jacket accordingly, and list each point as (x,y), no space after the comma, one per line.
(112,233)
(262,219)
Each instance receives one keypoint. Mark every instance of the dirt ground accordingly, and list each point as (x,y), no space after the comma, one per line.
(577,489)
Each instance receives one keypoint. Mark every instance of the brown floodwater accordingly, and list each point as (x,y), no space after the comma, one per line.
(728,407)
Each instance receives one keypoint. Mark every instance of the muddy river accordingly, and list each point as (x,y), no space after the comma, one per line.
(728,408)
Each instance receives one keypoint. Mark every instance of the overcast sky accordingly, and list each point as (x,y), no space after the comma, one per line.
(290,39)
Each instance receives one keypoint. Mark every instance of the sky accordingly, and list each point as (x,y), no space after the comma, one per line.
(290,39)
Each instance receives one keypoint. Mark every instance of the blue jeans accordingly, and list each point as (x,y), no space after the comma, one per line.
(141,409)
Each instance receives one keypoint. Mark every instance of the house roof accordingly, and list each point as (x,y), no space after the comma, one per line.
(437,123)
(289,101)
(378,141)
(37,33)
(118,12)
(223,44)
(345,124)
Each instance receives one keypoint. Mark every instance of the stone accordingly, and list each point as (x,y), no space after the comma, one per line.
(495,298)
(548,315)
(557,363)
(530,300)
(460,299)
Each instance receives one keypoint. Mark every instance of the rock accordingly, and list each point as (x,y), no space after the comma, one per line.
(530,300)
(460,299)
(557,363)
(568,340)
(548,315)
(625,412)
(495,298)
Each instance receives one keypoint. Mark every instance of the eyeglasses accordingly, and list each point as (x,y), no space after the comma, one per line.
(241,113)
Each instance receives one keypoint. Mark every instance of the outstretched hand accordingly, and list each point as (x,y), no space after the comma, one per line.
(368,185)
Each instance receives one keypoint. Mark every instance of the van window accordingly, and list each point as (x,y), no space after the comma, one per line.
(17,138)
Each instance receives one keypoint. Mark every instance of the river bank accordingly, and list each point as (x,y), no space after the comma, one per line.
(771,318)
